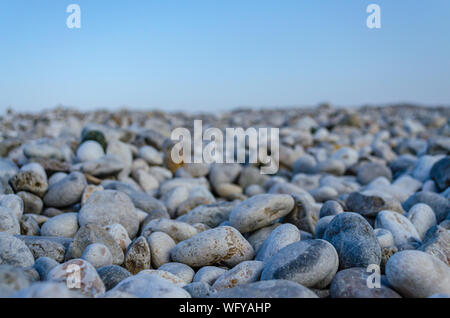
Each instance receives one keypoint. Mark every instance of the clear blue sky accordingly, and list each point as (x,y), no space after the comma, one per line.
(220,54)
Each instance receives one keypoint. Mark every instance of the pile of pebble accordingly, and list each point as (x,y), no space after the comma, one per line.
(92,205)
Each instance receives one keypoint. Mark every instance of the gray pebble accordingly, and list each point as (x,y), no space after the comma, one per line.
(418,274)
(280,237)
(259,211)
(354,240)
(221,245)
(312,263)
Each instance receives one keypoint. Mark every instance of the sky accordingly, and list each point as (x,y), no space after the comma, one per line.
(211,55)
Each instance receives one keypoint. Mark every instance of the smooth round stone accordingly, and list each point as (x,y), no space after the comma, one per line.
(150,155)
(440,173)
(330,207)
(208,274)
(149,286)
(112,275)
(44,265)
(30,181)
(120,235)
(331,166)
(354,240)
(422,217)
(121,151)
(199,289)
(12,279)
(257,238)
(8,221)
(47,289)
(209,214)
(384,237)
(110,207)
(107,165)
(429,186)
(160,245)
(370,171)
(253,189)
(13,202)
(63,225)
(147,182)
(178,231)
(56,177)
(89,234)
(311,263)
(347,155)
(31,202)
(82,274)
(280,237)
(439,204)
(423,167)
(260,211)
(267,289)
(98,255)
(305,164)
(370,202)
(137,256)
(184,272)
(323,194)
(89,150)
(67,191)
(417,274)
(321,225)
(174,279)
(353,283)
(241,274)
(222,245)
(402,229)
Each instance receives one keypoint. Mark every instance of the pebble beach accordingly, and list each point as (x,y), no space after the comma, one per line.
(92,204)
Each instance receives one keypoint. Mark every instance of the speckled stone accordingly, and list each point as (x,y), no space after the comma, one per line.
(354,240)
(221,245)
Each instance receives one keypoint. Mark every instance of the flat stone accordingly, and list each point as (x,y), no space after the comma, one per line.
(221,245)
(259,211)
(67,191)
(267,289)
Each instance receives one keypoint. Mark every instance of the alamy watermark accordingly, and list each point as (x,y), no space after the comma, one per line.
(74,19)
(253,145)
(373,21)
